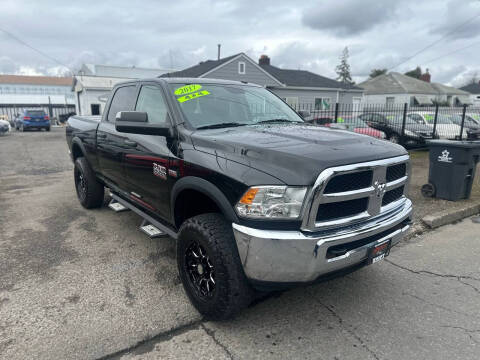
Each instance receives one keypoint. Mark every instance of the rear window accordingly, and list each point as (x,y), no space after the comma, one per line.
(36,113)
(123,100)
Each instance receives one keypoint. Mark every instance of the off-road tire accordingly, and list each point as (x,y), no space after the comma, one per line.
(91,192)
(232,292)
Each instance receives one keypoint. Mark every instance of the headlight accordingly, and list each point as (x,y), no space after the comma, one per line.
(276,202)
(411,133)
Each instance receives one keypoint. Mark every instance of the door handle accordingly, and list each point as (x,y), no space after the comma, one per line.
(102,136)
(130,143)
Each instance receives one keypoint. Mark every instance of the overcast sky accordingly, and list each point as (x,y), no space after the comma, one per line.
(306,35)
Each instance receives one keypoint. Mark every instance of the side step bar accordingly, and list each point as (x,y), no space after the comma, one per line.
(116,206)
(150,225)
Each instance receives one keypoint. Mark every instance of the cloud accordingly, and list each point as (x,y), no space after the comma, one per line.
(456,13)
(349,17)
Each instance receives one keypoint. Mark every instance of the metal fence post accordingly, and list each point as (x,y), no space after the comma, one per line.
(336,113)
(463,121)
(404,121)
(435,121)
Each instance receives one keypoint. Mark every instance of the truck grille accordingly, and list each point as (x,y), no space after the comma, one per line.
(352,193)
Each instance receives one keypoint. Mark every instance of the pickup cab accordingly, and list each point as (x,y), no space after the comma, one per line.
(255,198)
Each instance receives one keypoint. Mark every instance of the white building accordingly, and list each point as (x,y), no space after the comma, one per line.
(93,83)
(20,89)
(395,88)
(52,94)
(474,91)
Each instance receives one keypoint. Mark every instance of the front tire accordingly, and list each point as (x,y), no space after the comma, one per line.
(90,191)
(210,267)
(394,138)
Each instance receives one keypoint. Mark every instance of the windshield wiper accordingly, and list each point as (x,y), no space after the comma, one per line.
(276,120)
(220,125)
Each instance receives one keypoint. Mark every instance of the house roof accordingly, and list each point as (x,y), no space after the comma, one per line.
(472,88)
(448,90)
(288,77)
(199,69)
(35,80)
(95,82)
(396,83)
(303,78)
(131,72)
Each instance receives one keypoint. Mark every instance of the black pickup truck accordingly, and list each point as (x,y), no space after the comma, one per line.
(256,198)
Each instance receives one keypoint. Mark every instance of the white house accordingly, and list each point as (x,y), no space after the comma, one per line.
(92,84)
(474,92)
(395,88)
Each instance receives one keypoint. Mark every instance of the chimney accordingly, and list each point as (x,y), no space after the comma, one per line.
(219,46)
(425,77)
(264,60)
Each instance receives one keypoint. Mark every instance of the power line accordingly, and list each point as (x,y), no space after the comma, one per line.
(436,41)
(34,49)
(451,52)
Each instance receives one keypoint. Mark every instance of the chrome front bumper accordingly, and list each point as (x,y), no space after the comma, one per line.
(295,256)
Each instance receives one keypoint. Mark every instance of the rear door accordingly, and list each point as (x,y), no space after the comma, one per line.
(111,144)
(147,157)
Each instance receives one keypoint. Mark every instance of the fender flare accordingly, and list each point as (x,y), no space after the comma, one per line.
(206,188)
(77,142)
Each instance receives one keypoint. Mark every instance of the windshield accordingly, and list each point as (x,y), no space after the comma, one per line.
(457,119)
(36,113)
(214,105)
(441,119)
(398,119)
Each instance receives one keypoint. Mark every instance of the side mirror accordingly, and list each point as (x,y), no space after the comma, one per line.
(136,122)
(303,114)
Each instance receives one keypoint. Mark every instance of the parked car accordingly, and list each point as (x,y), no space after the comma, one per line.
(356,124)
(391,125)
(32,119)
(254,197)
(4,127)
(445,128)
(473,128)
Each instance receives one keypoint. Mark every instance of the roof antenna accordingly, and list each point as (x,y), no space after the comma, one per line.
(219,46)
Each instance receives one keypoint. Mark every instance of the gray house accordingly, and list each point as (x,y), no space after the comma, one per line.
(299,88)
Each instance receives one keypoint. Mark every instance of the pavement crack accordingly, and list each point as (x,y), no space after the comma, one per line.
(433,304)
(469,332)
(426,272)
(211,333)
(350,331)
(149,342)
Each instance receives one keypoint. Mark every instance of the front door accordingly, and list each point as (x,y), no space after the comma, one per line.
(111,143)
(147,157)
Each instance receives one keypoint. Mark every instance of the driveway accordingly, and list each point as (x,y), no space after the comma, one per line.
(81,284)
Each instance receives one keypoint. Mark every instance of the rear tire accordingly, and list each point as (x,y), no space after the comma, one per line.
(210,267)
(90,191)
(47,129)
(394,138)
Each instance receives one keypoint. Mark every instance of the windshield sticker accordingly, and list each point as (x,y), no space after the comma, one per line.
(193,96)
(187,89)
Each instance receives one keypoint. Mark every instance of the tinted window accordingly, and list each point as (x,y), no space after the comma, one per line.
(150,100)
(35,113)
(123,100)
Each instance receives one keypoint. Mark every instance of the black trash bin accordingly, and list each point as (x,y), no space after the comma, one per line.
(452,169)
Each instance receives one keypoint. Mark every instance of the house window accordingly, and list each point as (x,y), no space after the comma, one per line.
(390,100)
(241,67)
(292,101)
(322,103)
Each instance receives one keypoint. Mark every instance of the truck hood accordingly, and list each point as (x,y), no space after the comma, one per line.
(295,154)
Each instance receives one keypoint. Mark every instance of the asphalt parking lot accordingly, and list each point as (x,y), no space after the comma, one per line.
(80,284)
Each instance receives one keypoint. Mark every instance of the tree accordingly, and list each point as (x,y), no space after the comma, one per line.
(377,72)
(416,73)
(343,69)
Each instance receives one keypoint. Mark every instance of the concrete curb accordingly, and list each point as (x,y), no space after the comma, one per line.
(447,217)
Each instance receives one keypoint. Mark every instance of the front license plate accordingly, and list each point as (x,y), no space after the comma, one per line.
(379,252)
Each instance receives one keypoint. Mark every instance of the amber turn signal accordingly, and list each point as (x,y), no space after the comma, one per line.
(249,196)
